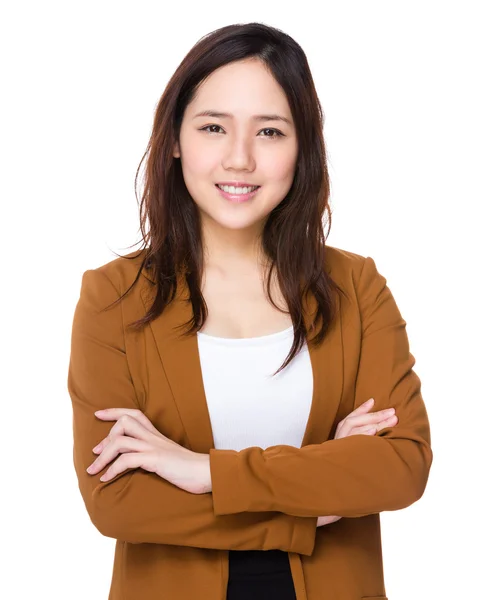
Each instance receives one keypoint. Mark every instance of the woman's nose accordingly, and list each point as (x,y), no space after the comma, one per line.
(239,154)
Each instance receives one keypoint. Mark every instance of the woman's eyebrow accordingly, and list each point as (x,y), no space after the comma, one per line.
(221,115)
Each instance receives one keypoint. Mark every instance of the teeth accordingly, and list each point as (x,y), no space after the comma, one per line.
(230,189)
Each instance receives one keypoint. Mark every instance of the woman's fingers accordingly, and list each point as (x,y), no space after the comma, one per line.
(356,420)
(131,460)
(326,520)
(371,429)
(145,422)
(128,423)
(365,423)
(370,419)
(363,408)
(112,414)
(118,445)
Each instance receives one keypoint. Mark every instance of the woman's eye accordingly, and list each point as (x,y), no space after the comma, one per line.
(277,133)
(209,126)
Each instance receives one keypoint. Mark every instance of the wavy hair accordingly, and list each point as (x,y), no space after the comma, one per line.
(293,237)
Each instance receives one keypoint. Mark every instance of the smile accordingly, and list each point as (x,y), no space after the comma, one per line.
(237,194)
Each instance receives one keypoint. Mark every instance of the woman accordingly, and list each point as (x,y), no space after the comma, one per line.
(234,352)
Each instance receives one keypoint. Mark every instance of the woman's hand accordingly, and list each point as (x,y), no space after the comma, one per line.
(140,444)
(326,520)
(360,422)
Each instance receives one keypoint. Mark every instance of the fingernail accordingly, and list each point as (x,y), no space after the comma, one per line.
(96,448)
(370,401)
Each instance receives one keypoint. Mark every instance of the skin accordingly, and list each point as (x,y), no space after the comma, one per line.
(135,442)
(237,148)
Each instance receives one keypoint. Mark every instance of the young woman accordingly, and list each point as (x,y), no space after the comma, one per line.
(218,375)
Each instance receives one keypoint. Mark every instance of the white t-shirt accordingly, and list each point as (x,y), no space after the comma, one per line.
(247,405)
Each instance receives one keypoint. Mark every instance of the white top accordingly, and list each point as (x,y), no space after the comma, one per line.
(247,405)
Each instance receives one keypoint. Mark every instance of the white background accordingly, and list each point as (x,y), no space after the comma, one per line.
(408,94)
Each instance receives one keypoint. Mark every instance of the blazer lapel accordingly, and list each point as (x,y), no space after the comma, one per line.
(181,362)
(328,377)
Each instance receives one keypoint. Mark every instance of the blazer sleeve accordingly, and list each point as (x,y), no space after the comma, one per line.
(353,476)
(137,506)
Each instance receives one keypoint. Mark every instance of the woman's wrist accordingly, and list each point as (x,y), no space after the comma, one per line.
(204,472)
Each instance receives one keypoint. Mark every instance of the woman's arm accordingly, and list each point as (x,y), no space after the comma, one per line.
(138,506)
(352,476)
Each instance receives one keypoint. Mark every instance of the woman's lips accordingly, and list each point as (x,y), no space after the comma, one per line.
(237,197)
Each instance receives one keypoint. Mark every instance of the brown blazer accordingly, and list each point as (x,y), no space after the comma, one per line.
(172,544)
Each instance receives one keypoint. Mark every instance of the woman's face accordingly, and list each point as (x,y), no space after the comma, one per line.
(252,143)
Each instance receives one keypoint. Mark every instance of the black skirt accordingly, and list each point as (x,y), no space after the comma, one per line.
(260,575)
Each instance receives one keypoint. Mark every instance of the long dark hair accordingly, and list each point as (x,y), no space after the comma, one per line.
(293,238)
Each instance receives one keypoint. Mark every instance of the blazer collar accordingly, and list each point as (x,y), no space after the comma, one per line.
(181,363)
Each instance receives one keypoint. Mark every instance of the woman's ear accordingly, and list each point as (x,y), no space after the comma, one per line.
(176,151)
